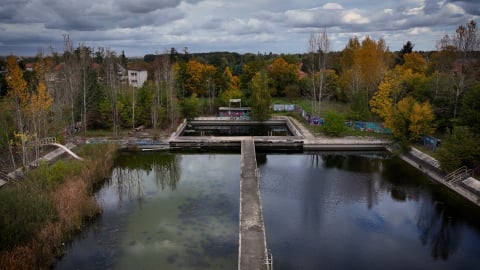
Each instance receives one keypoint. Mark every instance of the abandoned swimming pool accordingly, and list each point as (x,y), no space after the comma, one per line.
(334,211)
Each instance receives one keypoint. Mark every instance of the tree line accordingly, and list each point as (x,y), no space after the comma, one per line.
(413,92)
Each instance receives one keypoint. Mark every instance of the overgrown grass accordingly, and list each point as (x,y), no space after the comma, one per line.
(99,132)
(347,132)
(48,207)
(426,150)
(326,106)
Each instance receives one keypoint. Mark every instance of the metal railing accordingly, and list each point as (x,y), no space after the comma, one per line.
(269,261)
(48,140)
(6,177)
(458,175)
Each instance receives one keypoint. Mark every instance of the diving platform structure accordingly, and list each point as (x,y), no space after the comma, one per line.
(49,141)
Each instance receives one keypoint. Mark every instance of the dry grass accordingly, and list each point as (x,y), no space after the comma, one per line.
(74,203)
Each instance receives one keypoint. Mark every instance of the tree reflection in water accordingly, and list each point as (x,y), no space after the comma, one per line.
(128,183)
(438,229)
(130,170)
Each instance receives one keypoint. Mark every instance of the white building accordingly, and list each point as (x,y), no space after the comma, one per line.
(136,77)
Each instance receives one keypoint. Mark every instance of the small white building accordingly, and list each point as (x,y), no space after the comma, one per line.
(136,77)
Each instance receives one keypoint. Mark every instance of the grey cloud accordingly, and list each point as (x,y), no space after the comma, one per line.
(470,6)
(210,24)
(8,9)
(88,15)
(315,17)
(146,6)
(401,18)
(431,7)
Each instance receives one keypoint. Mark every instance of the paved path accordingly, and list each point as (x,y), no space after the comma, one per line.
(49,157)
(252,250)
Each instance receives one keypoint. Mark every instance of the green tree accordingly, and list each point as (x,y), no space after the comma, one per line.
(334,124)
(92,97)
(282,74)
(191,106)
(459,149)
(470,112)
(261,100)
(409,120)
(144,103)
(406,49)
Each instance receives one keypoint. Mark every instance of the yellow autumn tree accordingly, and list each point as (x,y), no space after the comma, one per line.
(193,77)
(40,104)
(415,62)
(363,66)
(18,95)
(421,119)
(282,74)
(198,78)
(233,87)
(385,97)
(233,81)
(409,119)
(371,61)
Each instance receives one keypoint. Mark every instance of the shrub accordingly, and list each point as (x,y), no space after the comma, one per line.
(334,124)
(46,208)
(23,210)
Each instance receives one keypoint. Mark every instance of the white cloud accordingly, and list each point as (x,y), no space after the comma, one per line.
(354,17)
(332,6)
(419,31)
(414,11)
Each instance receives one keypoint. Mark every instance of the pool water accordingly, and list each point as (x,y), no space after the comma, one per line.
(321,211)
(164,211)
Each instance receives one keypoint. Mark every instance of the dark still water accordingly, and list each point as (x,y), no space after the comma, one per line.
(180,211)
(357,212)
(237,130)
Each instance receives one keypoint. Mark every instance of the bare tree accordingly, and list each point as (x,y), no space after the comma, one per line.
(72,74)
(318,49)
(112,81)
(172,106)
(465,40)
(165,96)
(85,60)
(323,44)
(312,45)
(158,69)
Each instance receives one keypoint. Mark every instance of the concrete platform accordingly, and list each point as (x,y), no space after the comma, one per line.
(252,250)
(472,183)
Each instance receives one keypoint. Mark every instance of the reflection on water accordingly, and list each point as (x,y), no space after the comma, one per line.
(164,167)
(321,211)
(438,230)
(164,211)
(237,130)
(362,212)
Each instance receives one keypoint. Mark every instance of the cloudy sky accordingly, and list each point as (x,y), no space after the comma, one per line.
(148,26)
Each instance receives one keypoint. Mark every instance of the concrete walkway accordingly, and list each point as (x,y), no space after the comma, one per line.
(430,166)
(313,143)
(252,250)
(49,157)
